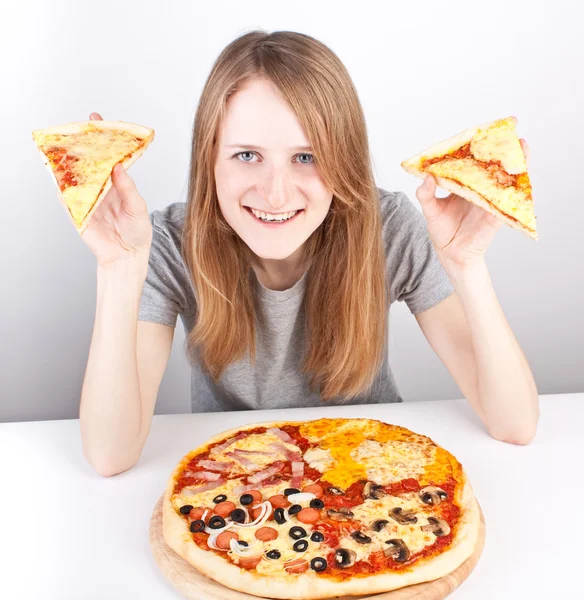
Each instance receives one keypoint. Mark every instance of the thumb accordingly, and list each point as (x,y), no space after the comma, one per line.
(426,196)
(132,202)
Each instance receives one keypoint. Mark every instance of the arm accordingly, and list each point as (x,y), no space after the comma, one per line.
(471,336)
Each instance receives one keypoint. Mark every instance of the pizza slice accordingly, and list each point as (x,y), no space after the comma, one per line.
(81,157)
(485,165)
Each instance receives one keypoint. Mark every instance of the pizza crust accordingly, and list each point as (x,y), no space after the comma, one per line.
(73,128)
(309,585)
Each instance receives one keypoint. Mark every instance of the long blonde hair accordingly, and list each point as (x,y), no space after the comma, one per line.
(346,299)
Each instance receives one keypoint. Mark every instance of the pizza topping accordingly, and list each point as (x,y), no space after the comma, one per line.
(266,534)
(220,498)
(244,461)
(373,491)
(241,548)
(246,499)
(223,540)
(345,558)
(203,488)
(297,473)
(197,526)
(403,516)
(297,565)
(199,513)
(438,527)
(314,489)
(240,489)
(239,515)
(294,509)
(309,516)
(289,454)
(273,554)
(297,533)
(259,477)
(224,508)
(317,536)
(213,465)
(204,475)
(397,550)
(186,509)
(340,514)
(433,495)
(256,511)
(301,497)
(227,443)
(316,503)
(290,491)
(300,546)
(318,564)
(335,491)
(248,562)
(263,513)
(280,516)
(360,537)
(278,501)
(216,522)
(379,524)
(280,434)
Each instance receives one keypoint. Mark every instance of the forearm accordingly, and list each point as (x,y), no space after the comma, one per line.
(505,388)
(110,410)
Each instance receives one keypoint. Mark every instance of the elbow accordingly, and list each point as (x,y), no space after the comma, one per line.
(520,436)
(108,466)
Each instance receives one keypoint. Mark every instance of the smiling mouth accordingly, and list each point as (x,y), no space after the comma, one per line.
(273,218)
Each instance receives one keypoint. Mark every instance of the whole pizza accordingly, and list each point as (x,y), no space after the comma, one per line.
(315,509)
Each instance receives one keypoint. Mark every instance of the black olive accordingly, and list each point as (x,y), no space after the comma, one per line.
(273,554)
(238,515)
(335,491)
(246,499)
(289,491)
(220,498)
(316,503)
(361,537)
(186,509)
(216,522)
(294,509)
(197,526)
(279,516)
(317,536)
(345,558)
(379,524)
(297,532)
(242,543)
(318,564)
(300,545)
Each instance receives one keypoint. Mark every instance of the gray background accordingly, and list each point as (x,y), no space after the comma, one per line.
(423,70)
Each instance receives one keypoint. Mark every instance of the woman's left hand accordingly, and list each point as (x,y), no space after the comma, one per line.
(460,231)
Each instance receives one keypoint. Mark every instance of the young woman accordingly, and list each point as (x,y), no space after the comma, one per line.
(283,263)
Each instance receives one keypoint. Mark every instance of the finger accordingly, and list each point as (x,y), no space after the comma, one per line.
(95,117)
(525,149)
(426,196)
(132,202)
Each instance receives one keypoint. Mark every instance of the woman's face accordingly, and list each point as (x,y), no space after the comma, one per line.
(269,188)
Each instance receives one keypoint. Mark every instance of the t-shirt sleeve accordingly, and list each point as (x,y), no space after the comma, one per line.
(416,275)
(165,293)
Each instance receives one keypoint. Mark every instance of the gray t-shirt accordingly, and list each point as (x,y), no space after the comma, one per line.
(276,380)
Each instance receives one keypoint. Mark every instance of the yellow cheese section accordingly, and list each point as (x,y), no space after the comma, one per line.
(500,143)
(96,153)
(510,200)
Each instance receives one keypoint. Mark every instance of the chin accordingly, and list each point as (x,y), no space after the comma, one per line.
(271,252)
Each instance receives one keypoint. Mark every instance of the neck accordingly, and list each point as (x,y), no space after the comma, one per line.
(279,274)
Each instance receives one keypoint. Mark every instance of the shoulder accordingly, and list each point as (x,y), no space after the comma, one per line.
(170,220)
(396,207)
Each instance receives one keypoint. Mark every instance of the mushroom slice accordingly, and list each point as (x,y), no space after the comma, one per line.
(340,514)
(438,527)
(432,495)
(403,516)
(397,550)
(379,524)
(345,558)
(360,537)
(335,491)
(373,491)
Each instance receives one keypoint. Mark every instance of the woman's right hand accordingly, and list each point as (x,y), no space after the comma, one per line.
(120,228)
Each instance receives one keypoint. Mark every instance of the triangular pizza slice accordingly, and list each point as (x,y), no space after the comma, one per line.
(485,165)
(81,157)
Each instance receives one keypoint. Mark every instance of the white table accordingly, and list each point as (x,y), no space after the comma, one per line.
(66,532)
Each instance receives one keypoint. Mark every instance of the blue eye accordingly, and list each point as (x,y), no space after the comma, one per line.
(240,153)
(307,163)
(252,154)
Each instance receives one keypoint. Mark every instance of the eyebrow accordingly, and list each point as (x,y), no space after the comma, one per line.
(253,147)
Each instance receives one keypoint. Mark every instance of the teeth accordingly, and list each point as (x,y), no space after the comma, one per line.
(270,217)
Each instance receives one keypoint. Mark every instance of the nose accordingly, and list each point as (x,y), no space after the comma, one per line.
(277,190)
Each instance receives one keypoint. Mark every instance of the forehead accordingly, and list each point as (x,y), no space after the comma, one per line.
(258,114)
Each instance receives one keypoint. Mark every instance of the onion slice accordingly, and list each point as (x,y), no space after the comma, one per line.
(266,508)
(236,548)
(301,497)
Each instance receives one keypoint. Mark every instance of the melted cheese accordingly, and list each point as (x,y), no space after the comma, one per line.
(500,143)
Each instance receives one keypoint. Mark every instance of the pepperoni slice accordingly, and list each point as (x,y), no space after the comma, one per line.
(309,515)
(224,508)
(296,565)
(314,489)
(224,538)
(198,512)
(266,534)
(256,511)
(279,501)
(257,495)
(248,562)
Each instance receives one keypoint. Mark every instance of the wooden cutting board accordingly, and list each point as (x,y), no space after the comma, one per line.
(195,586)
